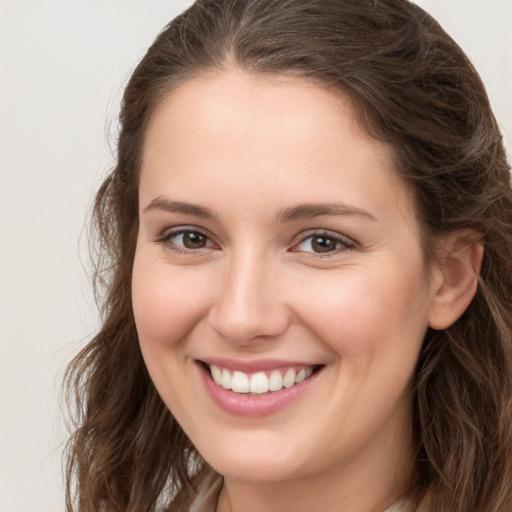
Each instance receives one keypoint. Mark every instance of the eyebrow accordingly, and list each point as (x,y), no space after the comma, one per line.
(161,203)
(290,214)
(309,210)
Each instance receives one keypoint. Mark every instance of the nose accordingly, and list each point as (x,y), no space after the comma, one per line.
(249,304)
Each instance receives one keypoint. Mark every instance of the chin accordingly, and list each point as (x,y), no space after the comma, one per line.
(265,470)
(255,461)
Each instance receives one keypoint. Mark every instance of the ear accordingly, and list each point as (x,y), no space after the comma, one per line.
(454,276)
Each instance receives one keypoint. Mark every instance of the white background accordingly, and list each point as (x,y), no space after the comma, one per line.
(62,68)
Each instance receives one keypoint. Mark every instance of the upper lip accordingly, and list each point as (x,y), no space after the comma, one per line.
(253,366)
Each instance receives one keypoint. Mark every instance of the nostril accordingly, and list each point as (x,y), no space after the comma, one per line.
(242,326)
(248,306)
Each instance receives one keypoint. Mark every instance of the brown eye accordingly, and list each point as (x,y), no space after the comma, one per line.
(323,244)
(193,240)
(186,240)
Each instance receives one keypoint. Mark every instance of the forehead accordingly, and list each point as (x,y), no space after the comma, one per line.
(225,130)
(221,101)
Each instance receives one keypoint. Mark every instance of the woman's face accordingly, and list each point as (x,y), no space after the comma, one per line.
(278,249)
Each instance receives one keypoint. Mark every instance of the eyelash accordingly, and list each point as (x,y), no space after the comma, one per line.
(166,239)
(345,243)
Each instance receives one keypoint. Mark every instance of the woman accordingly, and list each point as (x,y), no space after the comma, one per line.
(305,248)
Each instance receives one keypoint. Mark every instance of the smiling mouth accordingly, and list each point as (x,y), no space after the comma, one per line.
(262,382)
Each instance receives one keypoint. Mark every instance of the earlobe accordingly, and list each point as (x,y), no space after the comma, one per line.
(455,276)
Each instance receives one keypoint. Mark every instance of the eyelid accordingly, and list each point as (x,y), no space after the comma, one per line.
(347,242)
(165,236)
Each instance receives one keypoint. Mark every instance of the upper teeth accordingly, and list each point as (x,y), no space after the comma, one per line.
(259,382)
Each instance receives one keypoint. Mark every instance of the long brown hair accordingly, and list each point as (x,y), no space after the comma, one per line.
(415,90)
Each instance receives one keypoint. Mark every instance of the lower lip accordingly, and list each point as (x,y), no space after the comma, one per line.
(241,404)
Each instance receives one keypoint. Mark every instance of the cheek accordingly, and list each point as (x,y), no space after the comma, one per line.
(166,308)
(369,314)
(166,304)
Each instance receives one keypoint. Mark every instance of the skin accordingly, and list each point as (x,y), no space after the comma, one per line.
(247,147)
